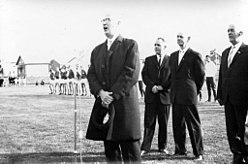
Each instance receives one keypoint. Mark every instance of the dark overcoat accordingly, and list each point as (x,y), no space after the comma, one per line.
(117,70)
(187,77)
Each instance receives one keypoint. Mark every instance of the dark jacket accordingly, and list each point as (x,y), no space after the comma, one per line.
(187,77)
(117,71)
(233,81)
(153,74)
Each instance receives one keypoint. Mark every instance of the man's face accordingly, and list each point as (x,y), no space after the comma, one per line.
(207,58)
(109,26)
(181,39)
(233,34)
(159,46)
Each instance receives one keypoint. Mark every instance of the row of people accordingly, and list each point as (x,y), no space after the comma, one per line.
(174,79)
(67,81)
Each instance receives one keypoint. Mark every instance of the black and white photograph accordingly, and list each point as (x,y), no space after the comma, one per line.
(114,81)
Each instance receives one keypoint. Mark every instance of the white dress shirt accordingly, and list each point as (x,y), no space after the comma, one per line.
(232,52)
(160,56)
(181,54)
(110,41)
(210,69)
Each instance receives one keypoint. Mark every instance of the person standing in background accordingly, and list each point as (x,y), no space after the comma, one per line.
(78,86)
(71,77)
(156,76)
(210,70)
(187,78)
(232,92)
(140,82)
(83,81)
(57,80)
(63,75)
(113,76)
(52,81)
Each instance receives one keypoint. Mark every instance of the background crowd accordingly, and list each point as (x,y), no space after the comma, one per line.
(65,80)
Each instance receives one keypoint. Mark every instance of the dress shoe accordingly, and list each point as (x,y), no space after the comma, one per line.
(198,158)
(245,159)
(143,152)
(165,151)
(238,159)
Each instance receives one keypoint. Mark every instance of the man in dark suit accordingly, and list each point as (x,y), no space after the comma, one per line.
(156,76)
(187,72)
(232,92)
(113,76)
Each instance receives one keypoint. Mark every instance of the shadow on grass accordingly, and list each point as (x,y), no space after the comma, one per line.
(154,155)
(70,157)
(52,157)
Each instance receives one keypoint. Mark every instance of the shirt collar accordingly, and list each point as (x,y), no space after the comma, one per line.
(158,56)
(183,50)
(237,46)
(113,39)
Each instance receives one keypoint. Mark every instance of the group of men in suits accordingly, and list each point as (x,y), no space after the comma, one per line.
(176,79)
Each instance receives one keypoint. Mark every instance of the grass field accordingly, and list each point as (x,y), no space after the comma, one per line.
(36,127)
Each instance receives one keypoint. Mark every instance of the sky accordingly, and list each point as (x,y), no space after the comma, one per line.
(42,30)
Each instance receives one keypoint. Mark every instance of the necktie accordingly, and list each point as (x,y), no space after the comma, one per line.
(159,60)
(159,64)
(230,56)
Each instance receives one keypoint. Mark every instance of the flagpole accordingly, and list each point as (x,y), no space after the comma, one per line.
(75,123)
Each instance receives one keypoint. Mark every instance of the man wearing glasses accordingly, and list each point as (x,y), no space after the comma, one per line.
(113,76)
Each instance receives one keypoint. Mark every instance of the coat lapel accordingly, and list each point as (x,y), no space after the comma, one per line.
(225,58)
(115,44)
(104,51)
(237,55)
(163,62)
(183,59)
(155,61)
(176,60)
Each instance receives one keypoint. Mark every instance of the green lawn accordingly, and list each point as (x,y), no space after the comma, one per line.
(36,127)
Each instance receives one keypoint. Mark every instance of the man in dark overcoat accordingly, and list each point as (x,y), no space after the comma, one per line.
(113,76)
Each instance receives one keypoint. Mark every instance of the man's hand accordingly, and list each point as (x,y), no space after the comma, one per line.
(106,97)
(155,89)
(160,88)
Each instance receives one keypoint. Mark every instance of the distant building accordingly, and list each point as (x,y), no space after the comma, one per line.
(33,72)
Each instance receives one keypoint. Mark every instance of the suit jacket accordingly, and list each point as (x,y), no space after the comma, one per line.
(187,77)
(153,74)
(117,70)
(233,81)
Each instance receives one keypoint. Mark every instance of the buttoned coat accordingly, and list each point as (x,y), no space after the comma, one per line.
(153,74)
(233,81)
(117,70)
(187,77)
